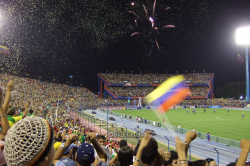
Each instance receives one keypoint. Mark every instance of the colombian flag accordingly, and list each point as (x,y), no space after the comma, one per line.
(4,50)
(169,93)
(240,58)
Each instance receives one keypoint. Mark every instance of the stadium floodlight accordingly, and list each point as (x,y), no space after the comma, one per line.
(243,36)
(243,39)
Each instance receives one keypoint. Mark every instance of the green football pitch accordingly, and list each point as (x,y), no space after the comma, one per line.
(221,123)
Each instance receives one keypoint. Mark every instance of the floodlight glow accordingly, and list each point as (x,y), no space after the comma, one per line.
(243,36)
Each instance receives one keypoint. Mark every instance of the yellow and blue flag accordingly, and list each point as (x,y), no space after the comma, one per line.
(4,50)
(240,58)
(169,93)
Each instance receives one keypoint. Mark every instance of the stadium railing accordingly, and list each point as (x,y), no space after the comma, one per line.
(201,135)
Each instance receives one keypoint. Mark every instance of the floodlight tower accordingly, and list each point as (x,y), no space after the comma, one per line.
(243,39)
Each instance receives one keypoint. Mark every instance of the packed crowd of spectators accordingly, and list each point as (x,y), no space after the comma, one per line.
(138,91)
(121,78)
(43,93)
(199,91)
(131,91)
(33,134)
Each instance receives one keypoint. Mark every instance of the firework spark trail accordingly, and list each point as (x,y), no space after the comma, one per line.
(154,8)
(146,12)
(134,13)
(136,33)
(156,41)
(167,8)
(168,26)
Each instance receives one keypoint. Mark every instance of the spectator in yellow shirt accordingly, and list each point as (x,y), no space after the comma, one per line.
(12,112)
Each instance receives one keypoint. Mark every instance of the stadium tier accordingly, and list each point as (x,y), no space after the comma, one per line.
(138,91)
(44,93)
(123,86)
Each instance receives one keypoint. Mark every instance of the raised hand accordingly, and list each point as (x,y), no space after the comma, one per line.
(10,86)
(27,105)
(91,136)
(245,145)
(190,136)
(72,138)
(180,146)
(145,140)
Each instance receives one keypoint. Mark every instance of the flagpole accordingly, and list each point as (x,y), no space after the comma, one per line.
(238,81)
(247,75)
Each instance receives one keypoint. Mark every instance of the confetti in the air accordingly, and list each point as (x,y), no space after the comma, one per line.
(52,39)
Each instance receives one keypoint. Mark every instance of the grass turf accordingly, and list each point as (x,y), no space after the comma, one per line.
(221,123)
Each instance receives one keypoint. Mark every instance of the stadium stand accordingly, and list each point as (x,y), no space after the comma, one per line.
(121,86)
(52,121)
(120,78)
(140,91)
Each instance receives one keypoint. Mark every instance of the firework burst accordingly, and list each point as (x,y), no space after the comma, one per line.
(148,28)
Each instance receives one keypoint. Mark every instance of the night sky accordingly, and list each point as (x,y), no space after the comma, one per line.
(53,39)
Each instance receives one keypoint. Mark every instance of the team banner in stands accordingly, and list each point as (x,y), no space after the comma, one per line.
(169,93)
(127,84)
(215,106)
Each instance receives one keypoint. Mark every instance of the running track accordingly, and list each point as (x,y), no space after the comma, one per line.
(200,148)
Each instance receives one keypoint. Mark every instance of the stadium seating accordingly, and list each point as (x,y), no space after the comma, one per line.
(122,86)
(119,78)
